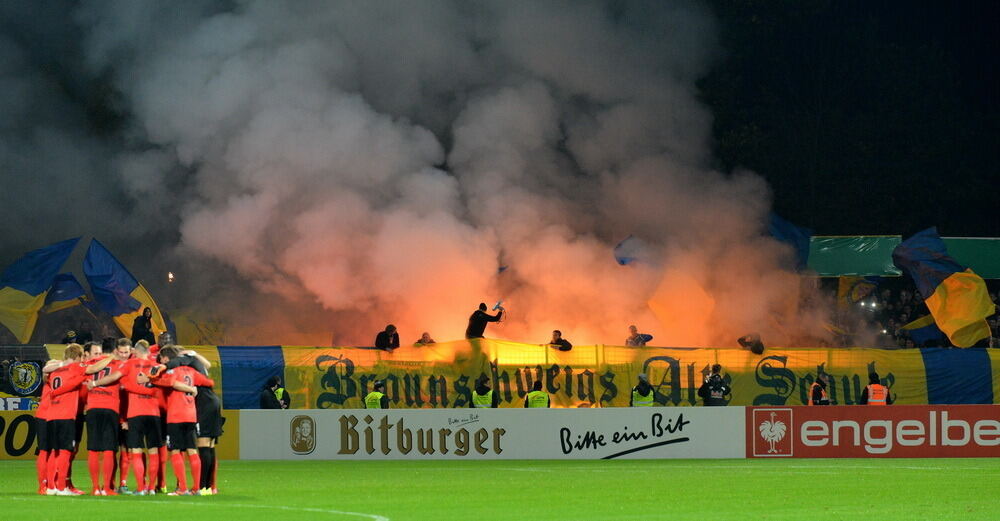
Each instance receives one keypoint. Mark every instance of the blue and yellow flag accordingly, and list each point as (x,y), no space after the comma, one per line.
(852,289)
(65,293)
(956,297)
(25,284)
(116,291)
(923,331)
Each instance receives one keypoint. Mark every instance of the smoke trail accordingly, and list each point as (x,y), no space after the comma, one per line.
(332,167)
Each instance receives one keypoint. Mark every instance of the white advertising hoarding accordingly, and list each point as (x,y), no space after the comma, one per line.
(360,434)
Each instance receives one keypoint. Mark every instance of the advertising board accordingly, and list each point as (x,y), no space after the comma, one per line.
(905,431)
(652,432)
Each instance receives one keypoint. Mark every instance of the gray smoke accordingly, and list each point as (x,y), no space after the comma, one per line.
(322,167)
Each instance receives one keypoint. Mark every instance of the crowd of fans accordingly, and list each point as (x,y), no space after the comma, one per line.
(885,309)
(894,303)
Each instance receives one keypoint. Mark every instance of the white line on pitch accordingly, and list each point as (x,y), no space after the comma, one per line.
(373,517)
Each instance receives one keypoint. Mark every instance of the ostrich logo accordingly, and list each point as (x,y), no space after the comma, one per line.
(772,431)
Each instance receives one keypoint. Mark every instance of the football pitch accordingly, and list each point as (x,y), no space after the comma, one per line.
(832,489)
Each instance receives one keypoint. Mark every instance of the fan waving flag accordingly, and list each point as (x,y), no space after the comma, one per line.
(116,291)
(25,284)
(956,297)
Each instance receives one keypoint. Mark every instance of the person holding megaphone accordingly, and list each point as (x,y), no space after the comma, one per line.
(479,319)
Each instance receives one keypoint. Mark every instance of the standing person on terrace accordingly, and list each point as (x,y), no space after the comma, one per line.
(387,340)
(478,321)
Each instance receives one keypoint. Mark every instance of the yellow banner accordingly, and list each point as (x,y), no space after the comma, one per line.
(443,375)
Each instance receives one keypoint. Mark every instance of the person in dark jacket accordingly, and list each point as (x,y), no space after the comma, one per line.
(483,396)
(817,392)
(559,342)
(274,396)
(478,321)
(715,389)
(142,327)
(642,393)
(387,340)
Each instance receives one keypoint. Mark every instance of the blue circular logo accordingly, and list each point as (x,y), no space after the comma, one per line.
(25,377)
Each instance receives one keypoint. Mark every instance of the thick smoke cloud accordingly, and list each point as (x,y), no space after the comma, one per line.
(317,168)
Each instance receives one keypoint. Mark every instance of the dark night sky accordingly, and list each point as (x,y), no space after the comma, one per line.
(865,117)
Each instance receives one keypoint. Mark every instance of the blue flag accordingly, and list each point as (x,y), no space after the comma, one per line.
(117,292)
(795,236)
(65,293)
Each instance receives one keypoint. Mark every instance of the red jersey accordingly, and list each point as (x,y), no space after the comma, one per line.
(44,401)
(180,405)
(143,400)
(106,396)
(65,392)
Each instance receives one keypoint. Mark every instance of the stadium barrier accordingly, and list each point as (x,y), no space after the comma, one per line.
(660,432)
(942,431)
(17,434)
(442,375)
(360,434)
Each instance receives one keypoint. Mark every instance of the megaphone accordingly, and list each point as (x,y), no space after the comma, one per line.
(498,305)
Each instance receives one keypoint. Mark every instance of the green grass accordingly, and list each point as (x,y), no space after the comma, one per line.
(715,490)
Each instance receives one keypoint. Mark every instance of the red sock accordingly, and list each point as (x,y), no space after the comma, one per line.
(153,470)
(140,471)
(109,469)
(69,469)
(161,478)
(195,461)
(94,465)
(41,467)
(51,466)
(123,463)
(178,463)
(61,469)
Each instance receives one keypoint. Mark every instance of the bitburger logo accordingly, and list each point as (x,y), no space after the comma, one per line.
(303,434)
(24,377)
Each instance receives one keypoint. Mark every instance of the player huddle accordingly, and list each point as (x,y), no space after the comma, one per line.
(140,405)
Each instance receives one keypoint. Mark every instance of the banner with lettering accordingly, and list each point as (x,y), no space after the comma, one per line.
(443,375)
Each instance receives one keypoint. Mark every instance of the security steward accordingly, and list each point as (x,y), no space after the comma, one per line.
(875,393)
(537,398)
(642,393)
(714,390)
(817,392)
(482,396)
(274,396)
(377,398)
